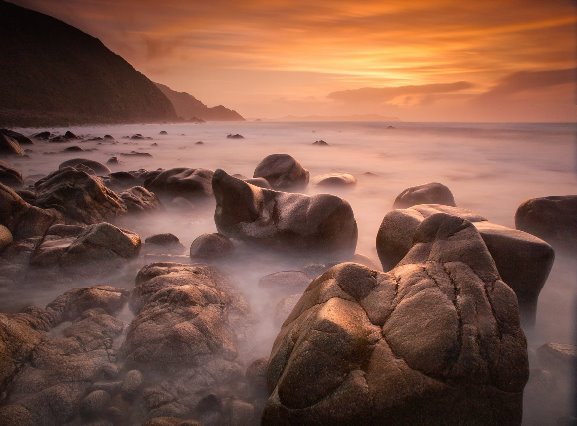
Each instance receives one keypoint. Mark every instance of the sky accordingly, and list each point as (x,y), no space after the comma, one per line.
(419,60)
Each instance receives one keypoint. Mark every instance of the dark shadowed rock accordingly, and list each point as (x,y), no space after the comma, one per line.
(323,225)
(282,172)
(99,168)
(163,243)
(440,330)
(18,137)
(191,184)
(119,181)
(234,136)
(73,148)
(80,197)
(10,176)
(320,143)
(260,182)
(211,247)
(523,261)
(43,136)
(163,132)
(429,193)
(553,219)
(9,146)
(335,180)
(112,161)
(139,200)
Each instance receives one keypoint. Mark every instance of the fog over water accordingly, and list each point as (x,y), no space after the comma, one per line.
(490,168)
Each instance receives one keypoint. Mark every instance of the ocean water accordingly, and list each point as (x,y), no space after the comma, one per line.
(490,168)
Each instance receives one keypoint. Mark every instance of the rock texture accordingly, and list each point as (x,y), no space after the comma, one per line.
(211,247)
(10,176)
(191,184)
(335,180)
(139,200)
(9,146)
(282,172)
(323,225)
(98,168)
(435,341)
(429,193)
(553,219)
(163,243)
(523,261)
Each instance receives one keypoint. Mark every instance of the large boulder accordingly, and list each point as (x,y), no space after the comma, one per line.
(323,224)
(10,176)
(553,219)
(9,146)
(435,341)
(282,172)
(98,168)
(429,193)
(191,184)
(523,261)
(79,196)
(18,137)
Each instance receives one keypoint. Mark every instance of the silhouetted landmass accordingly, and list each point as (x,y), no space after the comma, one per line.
(55,74)
(189,108)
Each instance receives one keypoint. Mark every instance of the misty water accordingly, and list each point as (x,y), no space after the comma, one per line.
(490,168)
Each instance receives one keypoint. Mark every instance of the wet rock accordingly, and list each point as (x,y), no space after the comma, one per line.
(429,193)
(10,176)
(234,136)
(322,224)
(282,172)
(18,137)
(139,200)
(523,261)
(285,282)
(132,382)
(163,243)
(80,197)
(335,180)
(9,146)
(99,168)
(211,247)
(554,219)
(192,184)
(366,347)
(43,136)
(320,143)
(5,237)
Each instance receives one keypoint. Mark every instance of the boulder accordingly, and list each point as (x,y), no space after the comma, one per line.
(260,182)
(523,261)
(282,172)
(554,219)
(5,237)
(18,137)
(288,282)
(163,243)
(440,330)
(43,136)
(335,180)
(10,176)
(9,146)
(191,184)
(323,224)
(99,168)
(429,193)
(211,247)
(79,196)
(139,199)
(558,357)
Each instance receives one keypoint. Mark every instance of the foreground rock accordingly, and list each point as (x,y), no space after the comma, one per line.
(98,168)
(440,330)
(18,137)
(191,184)
(523,261)
(9,146)
(323,225)
(429,193)
(79,196)
(282,172)
(553,219)
(10,176)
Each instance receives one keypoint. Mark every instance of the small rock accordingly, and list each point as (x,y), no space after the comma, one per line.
(235,136)
(163,132)
(211,247)
(132,382)
(95,403)
(430,193)
(112,160)
(320,143)
(335,180)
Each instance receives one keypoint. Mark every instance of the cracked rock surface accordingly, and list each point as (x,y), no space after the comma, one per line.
(436,340)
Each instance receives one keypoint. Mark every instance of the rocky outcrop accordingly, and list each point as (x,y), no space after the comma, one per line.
(98,168)
(211,247)
(335,180)
(553,219)
(282,172)
(523,261)
(10,176)
(79,196)
(322,225)
(429,193)
(435,341)
(191,184)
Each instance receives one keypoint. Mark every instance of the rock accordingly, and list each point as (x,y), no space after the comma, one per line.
(335,180)
(139,199)
(170,421)
(163,132)
(429,193)
(191,184)
(260,182)
(282,172)
(241,413)
(163,243)
(137,136)
(211,247)
(18,137)
(94,403)
(108,137)
(136,154)
(323,225)
(99,168)
(523,261)
(132,382)
(44,136)
(256,375)
(285,282)
(199,143)
(119,181)
(22,219)
(80,197)
(234,136)
(9,146)
(5,237)
(553,219)
(285,307)
(440,330)
(69,135)
(112,161)
(560,357)
(73,148)
(10,176)
(320,143)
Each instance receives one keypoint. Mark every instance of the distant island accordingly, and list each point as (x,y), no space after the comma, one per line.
(55,74)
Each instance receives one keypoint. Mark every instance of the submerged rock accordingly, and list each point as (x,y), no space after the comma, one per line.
(366,347)
(191,184)
(523,261)
(322,224)
(429,193)
(282,172)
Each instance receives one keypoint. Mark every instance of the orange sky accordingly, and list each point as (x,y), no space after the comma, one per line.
(492,60)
